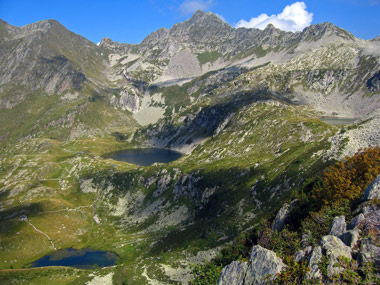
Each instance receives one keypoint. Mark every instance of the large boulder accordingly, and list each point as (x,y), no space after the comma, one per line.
(282,215)
(234,273)
(356,221)
(334,248)
(314,260)
(369,253)
(264,266)
(351,237)
(372,191)
(338,226)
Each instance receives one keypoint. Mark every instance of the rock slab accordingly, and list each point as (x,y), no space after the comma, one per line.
(372,191)
(281,217)
(264,266)
(234,273)
(334,248)
(338,226)
(315,258)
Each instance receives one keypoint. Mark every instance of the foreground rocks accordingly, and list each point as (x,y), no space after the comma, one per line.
(356,242)
(263,267)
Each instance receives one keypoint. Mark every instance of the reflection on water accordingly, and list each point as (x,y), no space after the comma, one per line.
(144,156)
(79,258)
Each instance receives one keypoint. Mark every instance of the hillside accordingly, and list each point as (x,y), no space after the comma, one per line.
(243,106)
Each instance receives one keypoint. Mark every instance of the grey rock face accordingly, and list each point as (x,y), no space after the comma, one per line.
(264,266)
(356,221)
(281,217)
(373,190)
(334,248)
(369,253)
(315,258)
(351,237)
(299,256)
(372,221)
(186,186)
(183,64)
(162,185)
(338,226)
(128,101)
(373,84)
(233,273)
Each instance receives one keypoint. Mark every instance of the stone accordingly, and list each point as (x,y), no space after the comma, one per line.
(369,253)
(264,266)
(356,221)
(334,248)
(281,217)
(373,190)
(305,239)
(351,237)
(314,260)
(299,256)
(372,221)
(338,226)
(233,273)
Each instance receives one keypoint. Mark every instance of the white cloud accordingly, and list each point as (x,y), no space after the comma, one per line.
(293,18)
(191,6)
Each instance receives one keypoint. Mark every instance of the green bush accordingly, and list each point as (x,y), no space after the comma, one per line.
(206,274)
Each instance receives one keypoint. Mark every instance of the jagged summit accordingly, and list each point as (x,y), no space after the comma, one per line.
(318,31)
(201,17)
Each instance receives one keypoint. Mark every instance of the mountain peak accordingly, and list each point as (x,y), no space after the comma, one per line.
(326,29)
(202,16)
(201,26)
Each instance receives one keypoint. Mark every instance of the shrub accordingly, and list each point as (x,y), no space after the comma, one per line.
(206,274)
(294,274)
(318,223)
(284,243)
(348,179)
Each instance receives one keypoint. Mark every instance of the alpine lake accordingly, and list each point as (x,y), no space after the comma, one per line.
(144,156)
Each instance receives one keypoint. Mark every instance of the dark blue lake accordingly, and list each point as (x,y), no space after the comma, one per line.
(79,258)
(144,156)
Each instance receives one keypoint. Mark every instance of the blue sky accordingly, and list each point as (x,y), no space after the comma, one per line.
(131,21)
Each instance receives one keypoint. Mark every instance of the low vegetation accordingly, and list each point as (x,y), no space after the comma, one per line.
(341,185)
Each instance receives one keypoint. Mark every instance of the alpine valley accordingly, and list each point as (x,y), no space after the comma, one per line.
(245,107)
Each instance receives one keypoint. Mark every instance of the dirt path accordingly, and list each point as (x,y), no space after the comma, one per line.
(37,230)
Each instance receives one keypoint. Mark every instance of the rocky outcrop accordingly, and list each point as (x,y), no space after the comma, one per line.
(373,84)
(282,215)
(338,226)
(233,273)
(356,221)
(127,101)
(313,264)
(263,267)
(369,253)
(372,191)
(351,237)
(334,248)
